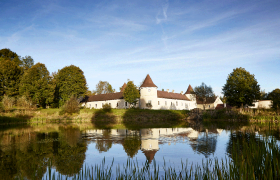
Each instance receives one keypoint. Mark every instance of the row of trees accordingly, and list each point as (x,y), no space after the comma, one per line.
(241,89)
(20,77)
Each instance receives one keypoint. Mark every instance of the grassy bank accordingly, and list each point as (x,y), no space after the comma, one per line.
(132,118)
(244,115)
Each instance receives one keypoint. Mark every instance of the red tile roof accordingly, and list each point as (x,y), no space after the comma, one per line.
(123,87)
(209,100)
(150,154)
(105,97)
(164,94)
(148,82)
(189,90)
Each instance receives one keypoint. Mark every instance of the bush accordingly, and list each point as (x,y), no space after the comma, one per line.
(149,105)
(8,102)
(71,106)
(106,107)
(24,103)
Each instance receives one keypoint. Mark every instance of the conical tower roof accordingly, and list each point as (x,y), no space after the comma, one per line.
(189,90)
(148,82)
(123,87)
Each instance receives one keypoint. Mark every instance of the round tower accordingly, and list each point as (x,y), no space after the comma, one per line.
(148,94)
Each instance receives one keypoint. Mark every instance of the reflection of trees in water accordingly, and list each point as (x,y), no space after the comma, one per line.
(71,151)
(29,153)
(131,145)
(205,144)
(105,143)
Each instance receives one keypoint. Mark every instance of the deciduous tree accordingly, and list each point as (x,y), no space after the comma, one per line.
(36,84)
(241,88)
(103,87)
(131,93)
(10,74)
(70,81)
(204,93)
(275,97)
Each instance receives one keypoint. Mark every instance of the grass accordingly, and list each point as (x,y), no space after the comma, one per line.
(129,118)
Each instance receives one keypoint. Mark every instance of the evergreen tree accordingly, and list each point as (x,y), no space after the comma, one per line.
(36,84)
(70,81)
(10,74)
(131,93)
(241,88)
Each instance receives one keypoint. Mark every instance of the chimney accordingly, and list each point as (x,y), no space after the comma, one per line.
(172,91)
(167,90)
(181,92)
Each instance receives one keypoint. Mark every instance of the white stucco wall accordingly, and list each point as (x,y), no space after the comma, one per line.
(98,104)
(148,94)
(266,104)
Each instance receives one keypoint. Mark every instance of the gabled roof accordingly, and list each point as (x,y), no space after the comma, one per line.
(170,95)
(105,97)
(209,100)
(123,87)
(189,90)
(148,82)
(150,154)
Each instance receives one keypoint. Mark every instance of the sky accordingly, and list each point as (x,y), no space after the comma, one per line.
(176,42)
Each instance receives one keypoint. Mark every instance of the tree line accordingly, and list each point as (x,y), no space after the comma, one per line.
(241,88)
(20,77)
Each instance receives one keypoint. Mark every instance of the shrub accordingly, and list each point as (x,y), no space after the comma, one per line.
(149,105)
(71,106)
(106,107)
(24,103)
(8,102)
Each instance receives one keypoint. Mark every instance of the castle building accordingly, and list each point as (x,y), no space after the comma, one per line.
(149,95)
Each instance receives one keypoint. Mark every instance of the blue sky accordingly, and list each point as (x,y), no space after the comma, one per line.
(177,42)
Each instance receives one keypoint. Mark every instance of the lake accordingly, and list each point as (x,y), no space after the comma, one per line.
(35,150)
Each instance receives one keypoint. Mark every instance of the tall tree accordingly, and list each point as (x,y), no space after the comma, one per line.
(70,81)
(275,97)
(36,84)
(7,54)
(28,62)
(10,74)
(103,87)
(204,94)
(241,88)
(131,93)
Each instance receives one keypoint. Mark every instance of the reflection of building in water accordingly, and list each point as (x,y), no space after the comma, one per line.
(204,143)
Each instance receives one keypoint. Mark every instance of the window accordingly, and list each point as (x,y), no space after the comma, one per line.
(95,105)
(181,103)
(102,104)
(89,105)
(176,103)
(165,103)
(171,103)
(209,106)
(158,103)
(125,103)
(186,105)
(150,101)
(117,105)
(110,104)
